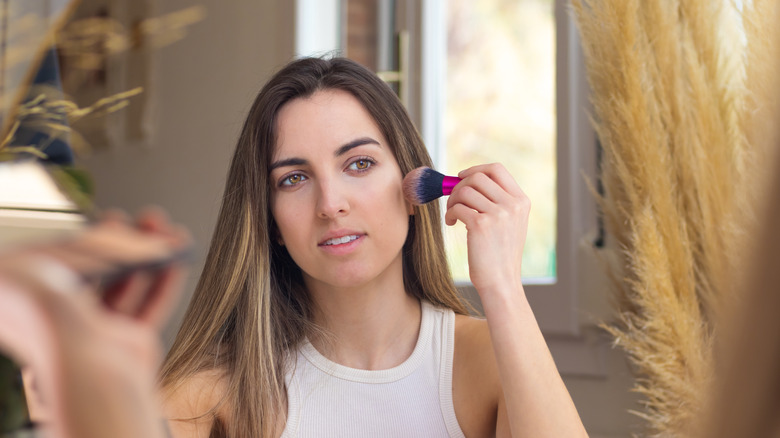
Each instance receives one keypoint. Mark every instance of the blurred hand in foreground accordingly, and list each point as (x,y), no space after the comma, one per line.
(83,314)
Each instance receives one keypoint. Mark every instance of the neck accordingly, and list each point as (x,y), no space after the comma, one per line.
(373,327)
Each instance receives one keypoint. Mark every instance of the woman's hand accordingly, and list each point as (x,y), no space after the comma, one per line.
(495,212)
(94,355)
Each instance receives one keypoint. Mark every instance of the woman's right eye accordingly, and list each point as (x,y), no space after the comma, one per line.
(291,180)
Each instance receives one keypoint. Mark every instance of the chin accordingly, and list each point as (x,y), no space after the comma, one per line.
(347,281)
(346,278)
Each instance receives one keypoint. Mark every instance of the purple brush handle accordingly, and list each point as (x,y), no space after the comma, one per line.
(448,183)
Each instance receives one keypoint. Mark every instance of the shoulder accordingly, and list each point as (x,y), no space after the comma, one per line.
(476,385)
(473,346)
(193,405)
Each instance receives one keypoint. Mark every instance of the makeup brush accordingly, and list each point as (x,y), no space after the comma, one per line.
(423,185)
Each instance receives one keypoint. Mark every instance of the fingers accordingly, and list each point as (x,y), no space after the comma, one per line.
(482,184)
(485,189)
(120,244)
(162,297)
(114,215)
(155,220)
(127,294)
(149,295)
(498,173)
(460,212)
(495,212)
(140,266)
(79,261)
(152,220)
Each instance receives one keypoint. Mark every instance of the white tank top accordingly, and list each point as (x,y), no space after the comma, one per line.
(414,399)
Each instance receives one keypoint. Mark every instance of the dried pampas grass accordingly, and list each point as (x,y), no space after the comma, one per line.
(678,89)
(54,116)
(87,42)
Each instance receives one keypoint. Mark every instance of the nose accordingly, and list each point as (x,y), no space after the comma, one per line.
(332,201)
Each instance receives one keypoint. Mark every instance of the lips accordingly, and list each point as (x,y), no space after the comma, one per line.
(340,240)
(340,237)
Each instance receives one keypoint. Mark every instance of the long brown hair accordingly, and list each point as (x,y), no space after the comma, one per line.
(250,309)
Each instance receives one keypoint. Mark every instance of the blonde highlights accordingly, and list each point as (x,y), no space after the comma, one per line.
(250,309)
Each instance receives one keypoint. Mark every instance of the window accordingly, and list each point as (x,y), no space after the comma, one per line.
(554,293)
(500,106)
(406,41)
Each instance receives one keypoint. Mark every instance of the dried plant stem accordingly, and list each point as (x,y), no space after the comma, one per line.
(47,116)
(672,111)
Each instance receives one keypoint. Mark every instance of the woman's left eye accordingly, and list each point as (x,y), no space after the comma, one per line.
(361,164)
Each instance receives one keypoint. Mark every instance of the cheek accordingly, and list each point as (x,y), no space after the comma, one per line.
(388,202)
(287,220)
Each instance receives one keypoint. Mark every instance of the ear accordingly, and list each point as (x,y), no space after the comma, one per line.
(410,208)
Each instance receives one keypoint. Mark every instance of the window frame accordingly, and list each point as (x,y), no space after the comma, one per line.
(555,305)
(318,27)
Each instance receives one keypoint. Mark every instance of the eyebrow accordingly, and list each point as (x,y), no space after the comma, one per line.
(340,151)
(353,144)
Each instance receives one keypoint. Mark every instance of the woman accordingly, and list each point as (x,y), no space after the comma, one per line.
(326,297)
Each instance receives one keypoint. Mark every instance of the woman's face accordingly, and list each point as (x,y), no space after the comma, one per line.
(337,192)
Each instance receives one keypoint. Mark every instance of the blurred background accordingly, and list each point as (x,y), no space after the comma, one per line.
(484,81)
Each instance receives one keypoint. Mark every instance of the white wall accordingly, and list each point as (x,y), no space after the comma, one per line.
(602,394)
